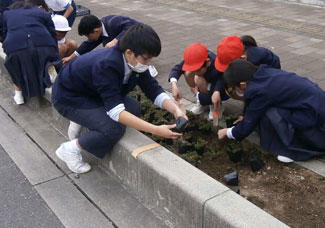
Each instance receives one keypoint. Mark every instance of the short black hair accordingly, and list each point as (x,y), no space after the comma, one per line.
(248,41)
(87,24)
(141,39)
(238,71)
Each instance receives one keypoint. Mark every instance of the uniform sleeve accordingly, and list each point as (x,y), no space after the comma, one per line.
(64,4)
(176,71)
(118,25)
(255,110)
(149,86)
(88,46)
(4,27)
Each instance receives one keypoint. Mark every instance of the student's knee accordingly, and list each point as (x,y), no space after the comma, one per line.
(113,131)
(201,84)
(73,45)
(189,78)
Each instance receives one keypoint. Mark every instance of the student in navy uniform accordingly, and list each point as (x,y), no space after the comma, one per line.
(259,55)
(66,8)
(106,31)
(30,44)
(232,47)
(92,91)
(287,109)
(4,4)
(200,73)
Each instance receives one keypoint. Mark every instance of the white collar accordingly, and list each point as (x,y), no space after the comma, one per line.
(104,30)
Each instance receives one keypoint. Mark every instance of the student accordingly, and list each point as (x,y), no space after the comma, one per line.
(29,44)
(106,31)
(67,8)
(232,47)
(92,91)
(259,55)
(287,109)
(201,76)
(66,46)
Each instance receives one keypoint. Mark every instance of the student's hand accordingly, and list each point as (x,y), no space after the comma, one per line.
(216,99)
(176,92)
(164,131)
(112,43)
(239,119)
(66,60)
(222,133)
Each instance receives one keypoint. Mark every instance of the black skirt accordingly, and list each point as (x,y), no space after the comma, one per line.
(27,68)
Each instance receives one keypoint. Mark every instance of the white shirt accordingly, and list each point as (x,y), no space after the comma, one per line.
(58,5)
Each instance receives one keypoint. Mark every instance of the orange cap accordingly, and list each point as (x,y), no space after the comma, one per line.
(229,49)
(194,57)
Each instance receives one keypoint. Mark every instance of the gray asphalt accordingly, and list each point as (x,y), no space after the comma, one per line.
(20,204)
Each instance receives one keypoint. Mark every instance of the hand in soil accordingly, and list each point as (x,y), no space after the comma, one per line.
(222,133)
(164,131)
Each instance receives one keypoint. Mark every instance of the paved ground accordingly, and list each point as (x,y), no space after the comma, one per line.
(21,205)
(295,32)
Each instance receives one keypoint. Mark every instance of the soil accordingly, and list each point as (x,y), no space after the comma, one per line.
(291,193)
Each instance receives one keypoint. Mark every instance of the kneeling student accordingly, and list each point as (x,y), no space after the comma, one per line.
(66,46)
(288,110)
(92,91)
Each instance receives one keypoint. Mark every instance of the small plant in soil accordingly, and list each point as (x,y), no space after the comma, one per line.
(191,157)
(230,120)
(200,146)
(184,146)
(234,151)
(205,128)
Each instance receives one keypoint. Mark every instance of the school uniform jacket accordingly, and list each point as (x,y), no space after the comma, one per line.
(115,27)
(261,55)
(212,75)
(298,100)
(95,79)
(26,26)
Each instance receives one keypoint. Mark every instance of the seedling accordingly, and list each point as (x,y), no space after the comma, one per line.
(232,178)
(256,163)
(234,152)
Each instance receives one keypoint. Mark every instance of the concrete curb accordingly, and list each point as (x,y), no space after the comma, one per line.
(175,191)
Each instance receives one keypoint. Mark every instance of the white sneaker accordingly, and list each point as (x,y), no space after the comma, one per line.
(284,159)
(72,158)
(74,130)
(18,98)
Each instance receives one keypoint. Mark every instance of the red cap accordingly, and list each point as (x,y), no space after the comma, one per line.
(229,49)
(194,57)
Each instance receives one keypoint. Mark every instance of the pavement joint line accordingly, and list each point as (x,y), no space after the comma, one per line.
(205,202)
(64,173)
(278,23)
(44,182)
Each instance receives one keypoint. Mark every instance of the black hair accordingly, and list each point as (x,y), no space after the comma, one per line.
(238,71)
(87,24)
(248,41)
(29,4)
(141,39)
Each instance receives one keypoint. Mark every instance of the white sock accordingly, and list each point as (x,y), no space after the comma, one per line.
(19,92)
(72,145)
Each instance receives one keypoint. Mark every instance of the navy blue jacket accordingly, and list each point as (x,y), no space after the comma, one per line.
(212,75)
(4,6)
(261,55)
(23,26)
(300,101)
(96,79)
(115,27)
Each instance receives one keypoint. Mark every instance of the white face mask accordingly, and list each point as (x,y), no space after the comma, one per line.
(62,41)
(139,67)
(239,94)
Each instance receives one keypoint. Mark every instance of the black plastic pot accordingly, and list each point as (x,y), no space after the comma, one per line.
(231,178)
(256,163)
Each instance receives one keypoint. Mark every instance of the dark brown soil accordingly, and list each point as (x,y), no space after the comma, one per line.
(290,193)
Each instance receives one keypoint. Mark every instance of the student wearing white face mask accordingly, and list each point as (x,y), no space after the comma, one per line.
(92,91)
